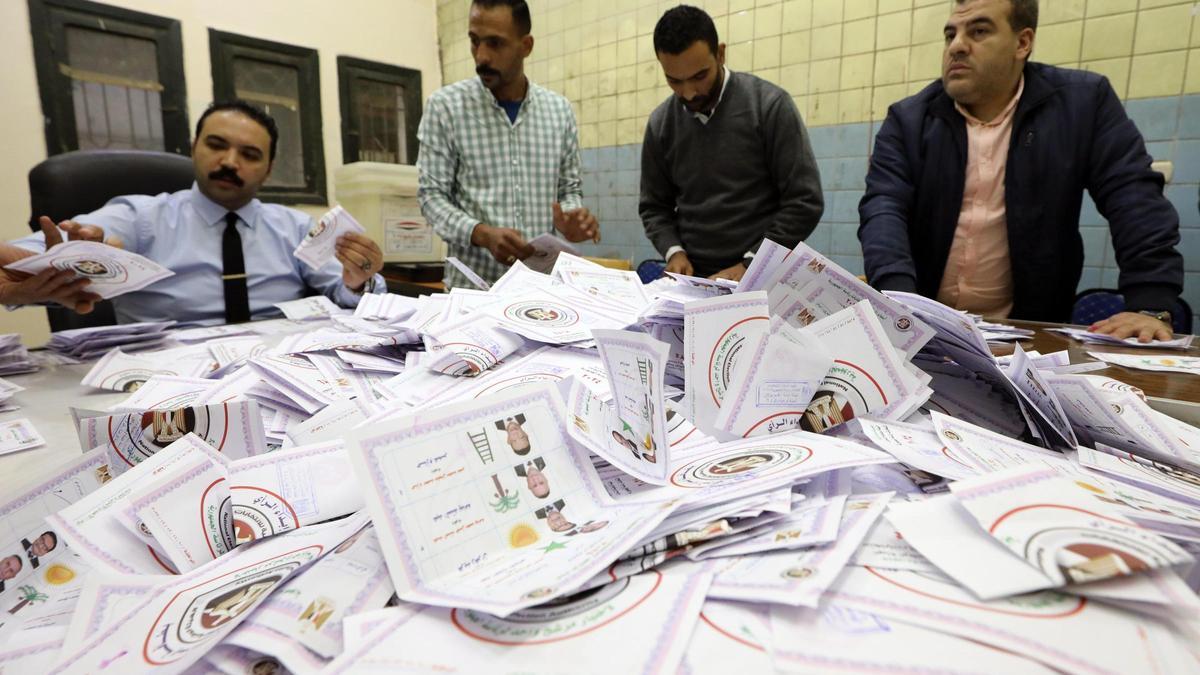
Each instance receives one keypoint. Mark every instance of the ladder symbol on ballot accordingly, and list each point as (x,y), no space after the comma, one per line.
(483,446)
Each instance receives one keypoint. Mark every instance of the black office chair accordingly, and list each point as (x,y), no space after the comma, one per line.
(74,183)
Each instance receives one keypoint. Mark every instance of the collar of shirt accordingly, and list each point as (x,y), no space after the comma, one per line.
(705,117)
(1004,114)
(214,214)
(486,97)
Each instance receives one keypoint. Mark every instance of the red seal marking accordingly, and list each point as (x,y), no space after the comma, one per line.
(509,643)
(713,357)
(1081,602)
(203,527)
(1001,519)
(731,636)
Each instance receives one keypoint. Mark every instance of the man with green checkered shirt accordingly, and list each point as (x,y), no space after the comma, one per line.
(499,158)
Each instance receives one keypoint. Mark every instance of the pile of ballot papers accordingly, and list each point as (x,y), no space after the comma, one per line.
(14,357)
(88,343)
(578,472)
(7,389)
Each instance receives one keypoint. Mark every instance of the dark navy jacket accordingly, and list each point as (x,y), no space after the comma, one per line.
(1070,133)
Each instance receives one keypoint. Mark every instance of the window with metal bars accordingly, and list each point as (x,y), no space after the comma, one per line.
(381,109)
(284,81)
(109,78)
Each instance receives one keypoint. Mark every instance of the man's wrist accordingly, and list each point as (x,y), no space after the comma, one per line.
(1162,315)
(672,251)
(479,234)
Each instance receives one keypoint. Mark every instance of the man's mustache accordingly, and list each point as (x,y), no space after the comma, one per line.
(484,70)
(226,174)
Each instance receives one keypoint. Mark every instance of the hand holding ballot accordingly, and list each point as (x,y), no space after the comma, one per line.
(49,285)
(505,244)
(338,235)
(110,271)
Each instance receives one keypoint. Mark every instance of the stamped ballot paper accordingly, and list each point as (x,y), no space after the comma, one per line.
(638,624)
(485,505)
(111,271)
(317,247)
(554,316)
(718,334)
(97,526)
(1066,632)
(233,429)
(630,431)
(177,622)
(772,394)
(17,435)
(44,567)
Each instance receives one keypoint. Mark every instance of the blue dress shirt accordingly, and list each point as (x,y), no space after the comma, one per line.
(182,232)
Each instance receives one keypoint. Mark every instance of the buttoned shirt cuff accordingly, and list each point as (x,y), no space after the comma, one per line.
(460,226)
(672,251)
(570,202)
(349,299)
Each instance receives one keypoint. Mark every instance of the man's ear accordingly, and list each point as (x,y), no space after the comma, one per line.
(1025,41)
(526,45)
(721,55)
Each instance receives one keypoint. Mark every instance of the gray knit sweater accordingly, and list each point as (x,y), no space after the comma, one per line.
(718,189)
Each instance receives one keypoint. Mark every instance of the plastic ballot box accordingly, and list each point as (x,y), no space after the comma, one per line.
(383,198)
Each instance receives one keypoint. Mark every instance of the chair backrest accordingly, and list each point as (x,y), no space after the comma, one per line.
(1096,304)
(74,183)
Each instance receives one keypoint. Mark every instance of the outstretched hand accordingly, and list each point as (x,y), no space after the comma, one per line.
(1131,324)
(75,232)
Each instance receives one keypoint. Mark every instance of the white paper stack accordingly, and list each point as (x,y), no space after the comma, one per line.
(89,343)
(14,357)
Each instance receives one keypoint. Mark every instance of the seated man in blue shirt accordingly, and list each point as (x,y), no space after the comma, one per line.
(202,234)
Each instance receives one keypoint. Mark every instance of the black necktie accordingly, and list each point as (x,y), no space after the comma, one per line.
(237,300)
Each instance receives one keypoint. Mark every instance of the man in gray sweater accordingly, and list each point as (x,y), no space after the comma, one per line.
(726,161)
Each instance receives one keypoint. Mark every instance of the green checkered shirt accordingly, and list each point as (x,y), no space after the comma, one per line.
(477,167)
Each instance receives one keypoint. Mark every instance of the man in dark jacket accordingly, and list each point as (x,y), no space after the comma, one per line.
(975,184)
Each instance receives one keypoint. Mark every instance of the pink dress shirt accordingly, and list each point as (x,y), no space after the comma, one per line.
(978,275)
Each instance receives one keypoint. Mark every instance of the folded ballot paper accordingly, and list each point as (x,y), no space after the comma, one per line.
(112,271)
(318,246)
(793,473)
(89,343)
(14,358)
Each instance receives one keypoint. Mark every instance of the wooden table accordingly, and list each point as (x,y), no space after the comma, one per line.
(1177,386)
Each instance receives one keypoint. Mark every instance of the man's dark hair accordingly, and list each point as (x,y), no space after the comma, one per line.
(519,9)
(683,26)
(249,110)
(1024,14)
